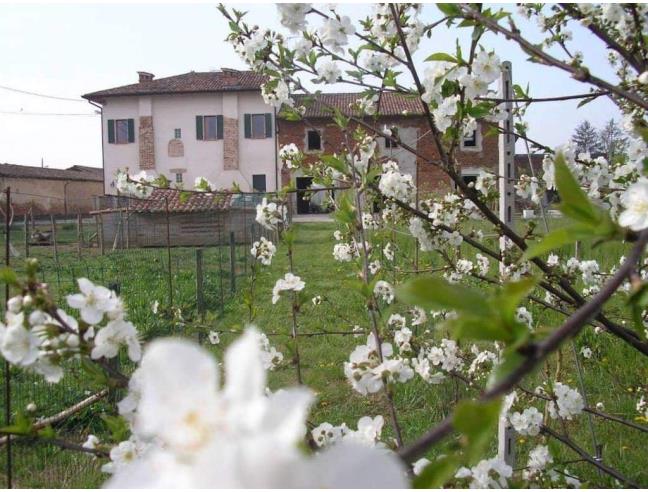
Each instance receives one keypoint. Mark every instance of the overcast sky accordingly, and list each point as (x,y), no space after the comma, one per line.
(69,50)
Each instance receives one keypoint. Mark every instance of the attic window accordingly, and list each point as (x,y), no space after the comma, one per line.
(314,140)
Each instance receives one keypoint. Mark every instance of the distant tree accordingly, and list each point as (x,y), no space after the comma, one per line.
(586,138)
(613,141)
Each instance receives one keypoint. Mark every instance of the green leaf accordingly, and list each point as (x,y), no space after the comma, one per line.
(449,9)
(511,361)
(478,423)
(511,294)
(573,200)
(8,276)
(437,473)
(117,426)
(441,57)
(435,293)
(479,328)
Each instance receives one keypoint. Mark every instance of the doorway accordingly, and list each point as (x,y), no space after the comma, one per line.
(303,201)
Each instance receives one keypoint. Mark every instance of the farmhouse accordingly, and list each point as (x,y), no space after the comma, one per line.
(403,116)
(217,125)
(44,190)
(211,124)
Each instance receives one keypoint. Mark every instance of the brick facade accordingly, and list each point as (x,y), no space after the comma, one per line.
(430,177)
(176,148)
(146,143)
(230,143)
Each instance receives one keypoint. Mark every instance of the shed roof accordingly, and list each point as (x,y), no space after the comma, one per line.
(193,202)
(74,173)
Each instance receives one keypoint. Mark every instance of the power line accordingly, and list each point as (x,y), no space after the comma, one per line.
(42,95)
(27,113)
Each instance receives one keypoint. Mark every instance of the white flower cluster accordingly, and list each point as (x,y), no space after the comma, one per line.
(293,15)
(263,250)
(290,156)
(199,434)
(487,474)
(276,93)
(136,185)
(270,356)
(569,402)
(367,373)
(288,282)
(270,214)
(445,357)
(334,32)
(528,422)
(368,433)
(384,291)
(394,184)
(344,252)
(37,341)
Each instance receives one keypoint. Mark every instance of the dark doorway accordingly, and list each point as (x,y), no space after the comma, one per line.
(303,201)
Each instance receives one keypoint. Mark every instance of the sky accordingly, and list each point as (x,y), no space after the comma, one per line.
(66,50)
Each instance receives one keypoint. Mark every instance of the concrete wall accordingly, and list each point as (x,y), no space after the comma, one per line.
(56,196)
(197,157)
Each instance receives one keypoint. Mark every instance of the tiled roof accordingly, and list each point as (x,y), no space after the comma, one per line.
(194,202)
(222,81)
(391,104)
(74,173)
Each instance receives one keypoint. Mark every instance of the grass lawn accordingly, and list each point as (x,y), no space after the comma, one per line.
(609,376)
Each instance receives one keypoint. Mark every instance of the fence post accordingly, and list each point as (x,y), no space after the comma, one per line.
(53,222)
(9,469)
(200,293)
(220,270)
(79,236)
(232,262)
(168,245)
(26,237)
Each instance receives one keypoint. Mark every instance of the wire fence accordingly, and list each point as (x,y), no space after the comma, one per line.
(173,259)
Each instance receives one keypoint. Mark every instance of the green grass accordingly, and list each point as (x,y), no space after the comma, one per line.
(614,369)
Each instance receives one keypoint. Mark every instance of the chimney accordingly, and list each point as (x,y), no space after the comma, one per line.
(230,76)
(145,76)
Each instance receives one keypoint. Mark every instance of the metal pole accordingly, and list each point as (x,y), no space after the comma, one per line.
(53,222)
(168,244)
(220,269)
(506,181)
(26,237)
(232,244)
(79,236)
(200,294)
(9,469)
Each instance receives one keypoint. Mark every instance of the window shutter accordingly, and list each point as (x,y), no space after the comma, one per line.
(199,128)
(131,130)
(219,126)
(248,126)
(111,131)
(268,125)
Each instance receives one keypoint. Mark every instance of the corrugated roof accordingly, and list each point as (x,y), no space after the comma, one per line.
(194,202)
(222,81)
(74,173)
(391,104)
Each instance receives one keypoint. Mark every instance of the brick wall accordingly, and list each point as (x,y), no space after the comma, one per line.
(230,143)
(146,143)
(430,177)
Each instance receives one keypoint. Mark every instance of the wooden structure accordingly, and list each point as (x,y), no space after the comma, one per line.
(166,219)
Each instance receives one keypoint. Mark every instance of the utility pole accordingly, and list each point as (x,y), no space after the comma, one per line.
(506,182)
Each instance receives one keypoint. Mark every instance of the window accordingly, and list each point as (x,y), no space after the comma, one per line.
(209,127)
(178,178)
(258,125)
(471,141)
(469,178)
(390,144)
(259,182)
(177,133)
(121,131)
(314,140)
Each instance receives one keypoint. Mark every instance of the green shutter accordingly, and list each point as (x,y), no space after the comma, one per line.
(268,124)
(248,126)
(131,130)
(111,131)
(219,126)
(199,128)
